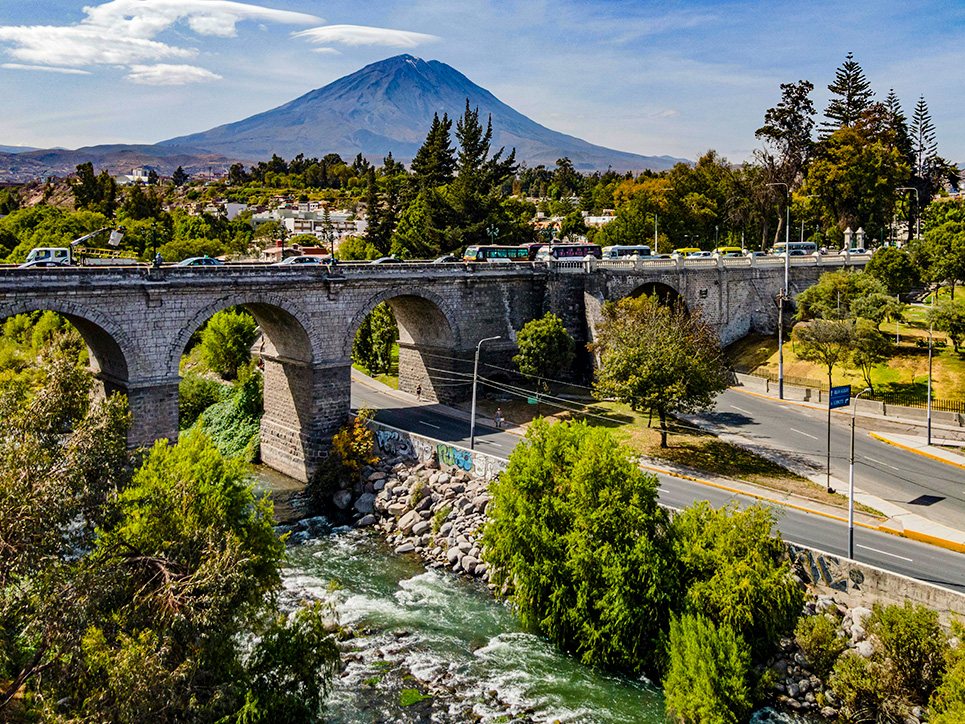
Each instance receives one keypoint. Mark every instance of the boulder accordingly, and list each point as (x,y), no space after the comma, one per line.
(365,521)
(406,547)
(452,555)
(397,510)
(420,527)
(379,475)
(865,648)
(365,504)
(342,498)
(408,520)
(468,564)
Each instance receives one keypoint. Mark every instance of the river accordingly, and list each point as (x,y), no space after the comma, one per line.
(421,630)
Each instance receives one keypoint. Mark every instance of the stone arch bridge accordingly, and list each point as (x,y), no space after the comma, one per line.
(137,322)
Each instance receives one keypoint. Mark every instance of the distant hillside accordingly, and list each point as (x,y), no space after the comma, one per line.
(117,159)
(16,149)
(388,107)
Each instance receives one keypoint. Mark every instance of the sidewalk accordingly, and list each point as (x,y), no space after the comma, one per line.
(945,452)
(897,520)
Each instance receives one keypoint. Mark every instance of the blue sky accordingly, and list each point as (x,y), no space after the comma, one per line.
(654,78)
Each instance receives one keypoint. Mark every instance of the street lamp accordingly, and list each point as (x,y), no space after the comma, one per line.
(854,409)
(917,206)
(475,374)
(931,331)
(784,291)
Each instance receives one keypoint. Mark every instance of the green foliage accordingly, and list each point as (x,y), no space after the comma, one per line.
(824,341)
(178,249)
(26,229)
(835,294)
(545,348)
(94,192)
(914,647)
(865,690)
(708,678)
(947,703)
(234,424)
(658,357)
(356,248)
(895,269)
(352,448)
(733,572)
(576,534)
(372,348)
(821,642)
(195,395)
(408,697)
(870,348)
(949,316)
(226,342)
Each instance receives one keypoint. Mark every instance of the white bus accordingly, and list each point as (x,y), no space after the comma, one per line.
(798,248)
(615,252)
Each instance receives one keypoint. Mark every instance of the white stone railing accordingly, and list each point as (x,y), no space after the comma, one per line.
(578,266)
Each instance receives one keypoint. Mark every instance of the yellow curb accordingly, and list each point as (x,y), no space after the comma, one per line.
(917,451)
(910,534)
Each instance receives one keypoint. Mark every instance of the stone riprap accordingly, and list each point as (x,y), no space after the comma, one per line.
(138,321)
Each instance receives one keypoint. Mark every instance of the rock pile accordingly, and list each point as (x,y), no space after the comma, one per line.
(435,513)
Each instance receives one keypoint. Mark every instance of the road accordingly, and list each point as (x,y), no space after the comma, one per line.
(890,552)
(930,488)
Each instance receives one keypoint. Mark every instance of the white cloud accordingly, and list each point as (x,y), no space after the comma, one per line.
(365,35)
(166,74)
(326,51)
(122,32)
(48,68)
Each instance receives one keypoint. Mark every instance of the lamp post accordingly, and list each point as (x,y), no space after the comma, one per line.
(475,375)
(854,406)
(492,232)
(931,331)
(784,291)
(917,206)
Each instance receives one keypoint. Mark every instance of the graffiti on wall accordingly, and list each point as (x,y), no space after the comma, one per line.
(398,443)
(819,568)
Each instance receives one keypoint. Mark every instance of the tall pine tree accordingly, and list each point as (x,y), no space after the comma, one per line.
(435,161)
(924,145)
(852,96)
(898,123)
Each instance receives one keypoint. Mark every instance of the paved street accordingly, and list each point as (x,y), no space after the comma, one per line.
(918,560)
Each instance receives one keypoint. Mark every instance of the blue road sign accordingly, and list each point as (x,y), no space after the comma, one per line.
(840,397)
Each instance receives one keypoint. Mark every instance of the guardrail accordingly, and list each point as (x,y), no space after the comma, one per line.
(713,262)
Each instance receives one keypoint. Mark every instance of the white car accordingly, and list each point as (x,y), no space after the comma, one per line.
(701,255)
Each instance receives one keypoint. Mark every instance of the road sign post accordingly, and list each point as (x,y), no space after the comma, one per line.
(839,397)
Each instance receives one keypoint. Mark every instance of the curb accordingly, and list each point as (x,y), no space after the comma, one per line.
(917,451)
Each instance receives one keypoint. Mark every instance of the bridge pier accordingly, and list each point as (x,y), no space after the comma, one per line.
(440,371)
(154,409)
(305,405)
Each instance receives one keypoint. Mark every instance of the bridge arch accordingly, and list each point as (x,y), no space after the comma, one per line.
(303,407)
(429,341)
(666,293)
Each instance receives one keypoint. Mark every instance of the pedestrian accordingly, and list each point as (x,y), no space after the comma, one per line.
(499,417)
(418,391)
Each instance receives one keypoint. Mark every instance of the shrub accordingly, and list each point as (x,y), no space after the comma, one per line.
(575,530)
(196,394)
(708,675)
(948,702)
(234,424)
(440,517)
(821,642)
(866,692)
(914,647)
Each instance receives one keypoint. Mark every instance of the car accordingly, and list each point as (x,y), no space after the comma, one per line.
(446,259)
(299,260)
(700,255)
(857,250)
(386,260)
(798,252)
(661,256)
(200,261)
(37,263)
(756,253)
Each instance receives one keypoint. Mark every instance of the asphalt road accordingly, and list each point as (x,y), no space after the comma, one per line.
(932,489)
(917,560)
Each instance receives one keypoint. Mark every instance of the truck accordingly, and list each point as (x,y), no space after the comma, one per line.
(77,255)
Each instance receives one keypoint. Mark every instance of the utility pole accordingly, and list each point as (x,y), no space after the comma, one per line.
(851,479)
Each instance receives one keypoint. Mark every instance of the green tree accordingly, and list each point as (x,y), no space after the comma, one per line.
(577,539)
(94,192)
(179,178)
(870,348)
(226,342)
(827,342)
(435,161)
(733,568)
(356,248)
(545,348)
(836,293)
(372,348)
(949,316)
(658,357)
(914,646)
(851,96)
(708,678)
(895,269)
(573,226)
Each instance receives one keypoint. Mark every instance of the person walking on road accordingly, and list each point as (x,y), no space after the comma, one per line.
(498,417)
(418,392)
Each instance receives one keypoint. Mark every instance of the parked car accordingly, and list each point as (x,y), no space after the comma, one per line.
(446,259)
(386,260)
(700,255)
(299,260)
(200,261)
(37,263)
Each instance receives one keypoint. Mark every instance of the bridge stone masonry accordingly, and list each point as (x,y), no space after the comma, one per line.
(137,323)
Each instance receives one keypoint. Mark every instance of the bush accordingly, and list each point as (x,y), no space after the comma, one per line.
(576,537)
(226,342)
(197,394)
(351,450)
(821,641)
(866,692)
(948,702)
(708,676)
(734,571)
(234,424)
(914,647)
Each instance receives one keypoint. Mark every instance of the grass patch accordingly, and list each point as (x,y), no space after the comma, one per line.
(391,378)
(408,697)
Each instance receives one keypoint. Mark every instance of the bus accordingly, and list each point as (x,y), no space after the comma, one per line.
(568,251)
(496,253)
(615,252)
(798,248)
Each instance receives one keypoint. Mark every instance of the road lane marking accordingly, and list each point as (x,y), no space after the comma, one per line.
(429,424)
(741,409)
(884,553)
(881,463)
(802,433)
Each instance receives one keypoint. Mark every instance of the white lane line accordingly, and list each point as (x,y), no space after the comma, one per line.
(489,442)
(802,433)
(741,409)
(872,460)
(429,424)
(884,553)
